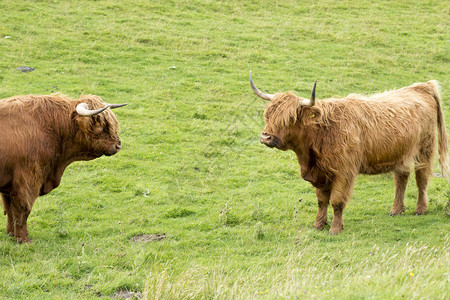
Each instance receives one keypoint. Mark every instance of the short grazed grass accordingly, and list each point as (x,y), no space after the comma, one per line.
(192,166)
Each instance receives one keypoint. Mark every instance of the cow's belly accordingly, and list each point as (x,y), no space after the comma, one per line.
(388,154)
(388,163)
(378,168)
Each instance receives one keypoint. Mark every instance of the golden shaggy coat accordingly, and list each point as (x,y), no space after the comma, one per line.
(336,139)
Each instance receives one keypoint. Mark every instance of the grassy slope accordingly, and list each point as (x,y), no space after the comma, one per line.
(192,166)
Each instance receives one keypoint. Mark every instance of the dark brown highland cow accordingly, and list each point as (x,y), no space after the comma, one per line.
(39,137)
(337,139)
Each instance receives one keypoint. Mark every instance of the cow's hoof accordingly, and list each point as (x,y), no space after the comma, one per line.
(335,231)
(391,213)
(418,212)
(319,225)
(396,212)
(9,230)
(23,240)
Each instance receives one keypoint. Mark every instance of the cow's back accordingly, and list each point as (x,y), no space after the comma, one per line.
(385,131)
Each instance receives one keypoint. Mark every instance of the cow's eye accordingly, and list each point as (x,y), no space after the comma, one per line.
(97,129)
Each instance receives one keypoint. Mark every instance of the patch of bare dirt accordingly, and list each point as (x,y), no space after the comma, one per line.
(146,238)
(117,295)
(126,295)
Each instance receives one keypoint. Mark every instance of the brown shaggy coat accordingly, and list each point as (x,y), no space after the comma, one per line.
(336,139)
(39,137)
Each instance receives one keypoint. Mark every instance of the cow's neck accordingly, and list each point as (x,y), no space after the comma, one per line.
(64,152)
(307,157)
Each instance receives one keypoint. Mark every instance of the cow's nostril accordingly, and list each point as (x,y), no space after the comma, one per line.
(266,136)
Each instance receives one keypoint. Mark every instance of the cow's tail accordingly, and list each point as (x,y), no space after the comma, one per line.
(442,132)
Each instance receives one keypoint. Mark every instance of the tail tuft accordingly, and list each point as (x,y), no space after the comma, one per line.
(442,132)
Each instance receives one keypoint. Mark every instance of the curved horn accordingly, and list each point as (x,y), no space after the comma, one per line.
(258,92)
(312,101)
(117,105)
(83,109)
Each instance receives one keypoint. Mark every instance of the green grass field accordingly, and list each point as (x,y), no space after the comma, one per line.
(192,167)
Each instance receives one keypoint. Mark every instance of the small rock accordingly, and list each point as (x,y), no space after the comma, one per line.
(25,69)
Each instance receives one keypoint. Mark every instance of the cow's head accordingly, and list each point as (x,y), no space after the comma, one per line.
(285,115)
(98,128)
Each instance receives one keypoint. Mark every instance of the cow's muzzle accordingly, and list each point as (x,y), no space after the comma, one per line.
(114,148)
(269,140)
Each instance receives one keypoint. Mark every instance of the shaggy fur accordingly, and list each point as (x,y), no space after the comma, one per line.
(39,137)
(336,139)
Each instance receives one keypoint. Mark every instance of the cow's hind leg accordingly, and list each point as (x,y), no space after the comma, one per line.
(323,199)
(423,173)
(9,216)
(340,194)
(422,177)
(400,179)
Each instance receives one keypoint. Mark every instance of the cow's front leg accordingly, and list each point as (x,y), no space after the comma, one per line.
(25,190)
(323,199)
(340,195)
(338,221)
(20,215)
(21,204)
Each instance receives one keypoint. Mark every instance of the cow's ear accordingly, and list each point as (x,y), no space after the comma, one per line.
(310,114)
